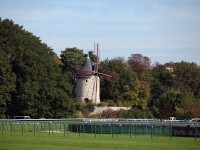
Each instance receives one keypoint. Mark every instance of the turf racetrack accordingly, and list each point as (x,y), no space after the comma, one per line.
(76,141)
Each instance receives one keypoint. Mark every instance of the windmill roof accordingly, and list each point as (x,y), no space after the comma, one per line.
(88,64)
(86,69)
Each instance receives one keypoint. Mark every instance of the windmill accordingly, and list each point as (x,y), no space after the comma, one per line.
(88,79)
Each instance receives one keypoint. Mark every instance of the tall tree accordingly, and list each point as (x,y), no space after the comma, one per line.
(71,57)
(139,63)
(7,83)
(40,85)
(187,77)
(113,90)
(128,88)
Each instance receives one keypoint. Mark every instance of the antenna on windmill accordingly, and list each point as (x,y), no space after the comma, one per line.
(94,48)
(97,75)
(97,68)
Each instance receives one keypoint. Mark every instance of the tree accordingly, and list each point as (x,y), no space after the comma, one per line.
(113,90)
(143,95)
(128,88)
(7,83)
(41,89)
(188,107)
(71,57)
(170,87)
(187,78)
(139,63)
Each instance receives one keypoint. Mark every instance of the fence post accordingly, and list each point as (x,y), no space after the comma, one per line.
(34,128)
(11,127)
(121,129)
(92,128)
(146,130)
(1,127)
(64,128)
(101,128)
(76,128)
(112,129)
(195,132)
(49,129)
(22,128)
(79,130)
(95,130)
(160,130)
(135,130)
(151,131)
(130,129)
(83,129)
(170,131)
(67,127)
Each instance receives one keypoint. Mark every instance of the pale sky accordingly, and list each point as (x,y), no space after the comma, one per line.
(163,30)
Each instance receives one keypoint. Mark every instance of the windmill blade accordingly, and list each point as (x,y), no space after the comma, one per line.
(111,77)
(104,74)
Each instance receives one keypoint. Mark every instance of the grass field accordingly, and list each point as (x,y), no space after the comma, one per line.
(73,141)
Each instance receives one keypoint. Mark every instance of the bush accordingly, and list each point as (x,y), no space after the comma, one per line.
(90,107)
(111,103)
(102,104)
(137,113)
(109,114)
(78,114)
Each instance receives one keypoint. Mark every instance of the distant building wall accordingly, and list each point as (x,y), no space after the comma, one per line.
(99,110)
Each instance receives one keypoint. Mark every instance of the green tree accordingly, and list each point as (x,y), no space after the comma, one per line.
(169,87)
(71,57)
(113,90)
(168,102)
(159,85)
(128,88)
(7,83)
(187,78)
(41,89)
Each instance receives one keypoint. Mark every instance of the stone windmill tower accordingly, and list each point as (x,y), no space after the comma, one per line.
(88,80)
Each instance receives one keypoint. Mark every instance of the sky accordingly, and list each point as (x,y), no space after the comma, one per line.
(163,30)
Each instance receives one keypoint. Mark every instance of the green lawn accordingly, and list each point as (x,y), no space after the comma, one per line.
(57,141)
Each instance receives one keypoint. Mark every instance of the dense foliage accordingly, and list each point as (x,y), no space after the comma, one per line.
(31,81)
(34,81)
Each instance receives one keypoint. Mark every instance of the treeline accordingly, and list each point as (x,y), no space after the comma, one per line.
(34,81)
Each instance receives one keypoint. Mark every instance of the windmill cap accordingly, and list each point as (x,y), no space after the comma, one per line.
(87,64)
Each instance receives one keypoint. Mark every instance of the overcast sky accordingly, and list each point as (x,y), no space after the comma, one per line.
(163,30)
